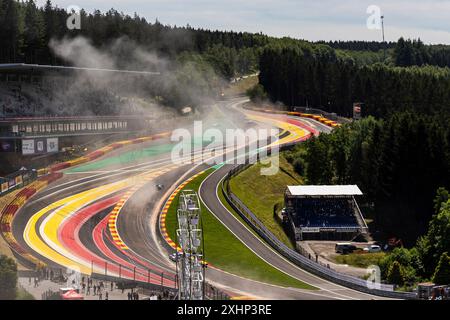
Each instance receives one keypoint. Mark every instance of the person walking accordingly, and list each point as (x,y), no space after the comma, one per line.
(129,295)
(106,295)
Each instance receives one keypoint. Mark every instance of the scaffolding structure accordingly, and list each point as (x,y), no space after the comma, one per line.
(190,266)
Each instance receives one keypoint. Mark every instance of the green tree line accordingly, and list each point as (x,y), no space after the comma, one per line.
(318,76)
(26,30)
(416,53)
(398,163)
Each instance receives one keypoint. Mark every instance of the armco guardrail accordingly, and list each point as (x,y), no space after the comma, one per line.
(329,115)
(298,259)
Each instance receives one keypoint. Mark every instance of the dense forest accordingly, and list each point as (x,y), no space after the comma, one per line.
(398,163)
(374,46)
(26,30)
(399,155)
(401,164)
(415,53)
(305,75)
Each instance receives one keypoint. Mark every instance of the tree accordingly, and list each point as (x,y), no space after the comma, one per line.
(442,196)
(34,32)
(396,274)
(10,31)
(257,93)
(437,240)
(8,278)
(442,274)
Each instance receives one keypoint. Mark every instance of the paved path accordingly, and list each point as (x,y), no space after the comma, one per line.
(46,285)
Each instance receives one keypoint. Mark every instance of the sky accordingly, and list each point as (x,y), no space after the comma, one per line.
(312,20)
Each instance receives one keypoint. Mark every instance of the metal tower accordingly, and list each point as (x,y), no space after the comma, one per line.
(190,266)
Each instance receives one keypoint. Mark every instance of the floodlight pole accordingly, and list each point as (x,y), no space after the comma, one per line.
(382,30)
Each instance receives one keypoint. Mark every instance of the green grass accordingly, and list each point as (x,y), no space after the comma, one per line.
(241,87)
(22,294)
(224,251)
(261,193)
(361,260)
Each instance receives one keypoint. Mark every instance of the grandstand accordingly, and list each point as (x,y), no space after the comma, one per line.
(39,90)
(324,212)
(45,110)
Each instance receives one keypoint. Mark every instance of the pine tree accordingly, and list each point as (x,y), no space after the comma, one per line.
(442,273)
(395,274)
(34,32)
(10,31)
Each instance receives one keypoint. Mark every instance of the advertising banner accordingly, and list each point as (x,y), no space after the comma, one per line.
(40,146)
(27,147)
(11,183)
(6,146)
(52,145)
(19,180)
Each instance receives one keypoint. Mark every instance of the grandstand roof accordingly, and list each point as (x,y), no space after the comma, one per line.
(23,67)
(335,190)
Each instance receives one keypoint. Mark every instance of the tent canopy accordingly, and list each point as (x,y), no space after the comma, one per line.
(334,190)
(72,295)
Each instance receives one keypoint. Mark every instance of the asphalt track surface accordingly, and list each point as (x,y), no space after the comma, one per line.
(328,290)
(67,224)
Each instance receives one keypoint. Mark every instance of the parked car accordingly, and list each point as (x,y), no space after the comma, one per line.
(344,247)
(373,248)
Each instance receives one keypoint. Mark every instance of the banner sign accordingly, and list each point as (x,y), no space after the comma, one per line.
(19,180)
(315,230)
(40,146)
(52,145)
(11,183)
(27,147)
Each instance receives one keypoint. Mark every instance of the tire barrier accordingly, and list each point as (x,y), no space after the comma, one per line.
(104,150)
(303,262)
(320,118)
(10,205)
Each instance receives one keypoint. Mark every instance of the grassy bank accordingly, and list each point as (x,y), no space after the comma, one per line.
(22,294)
(225,251)
(360,260)
(261,193)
